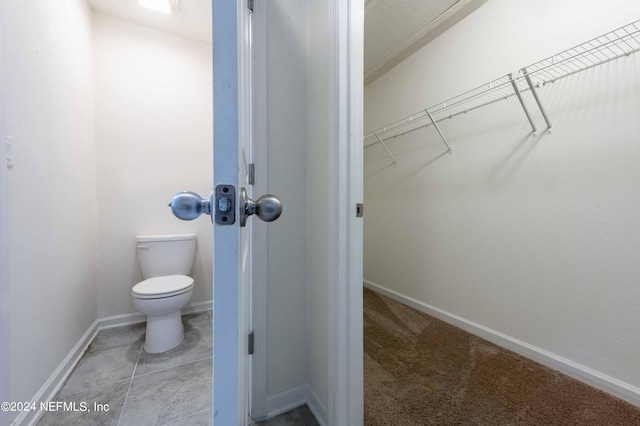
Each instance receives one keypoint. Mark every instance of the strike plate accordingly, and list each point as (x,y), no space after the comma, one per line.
(225,204)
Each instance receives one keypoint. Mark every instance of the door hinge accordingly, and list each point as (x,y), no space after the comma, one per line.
(252,174)
(250,5)
(251,343)
(359,210)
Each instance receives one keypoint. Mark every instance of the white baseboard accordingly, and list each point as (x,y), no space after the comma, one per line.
(572,369)
(136,317)
(294,398)
(57,379)
(287,400)
(198,307)
(115,321)
(317,407)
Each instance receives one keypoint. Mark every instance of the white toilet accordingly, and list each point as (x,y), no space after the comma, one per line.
(165,262)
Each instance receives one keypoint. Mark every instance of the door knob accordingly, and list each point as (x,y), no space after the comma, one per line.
(188,205)
(268,207)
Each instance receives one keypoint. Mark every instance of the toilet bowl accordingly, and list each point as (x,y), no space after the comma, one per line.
(161,299)
(165,262)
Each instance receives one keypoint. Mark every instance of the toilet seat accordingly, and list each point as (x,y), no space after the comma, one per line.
(161,287)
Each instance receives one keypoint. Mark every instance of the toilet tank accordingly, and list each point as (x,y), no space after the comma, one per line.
(160,255)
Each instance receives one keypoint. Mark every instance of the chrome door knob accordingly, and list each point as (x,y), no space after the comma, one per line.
(188,205)
(268,207)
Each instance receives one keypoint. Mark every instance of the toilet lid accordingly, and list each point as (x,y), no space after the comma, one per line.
(166,286)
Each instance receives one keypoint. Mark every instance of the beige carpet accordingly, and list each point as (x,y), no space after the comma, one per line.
(421,371)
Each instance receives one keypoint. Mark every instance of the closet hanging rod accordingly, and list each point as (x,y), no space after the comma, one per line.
(497,89)
(615,44)
(442,106)
(446,117)
(478,97)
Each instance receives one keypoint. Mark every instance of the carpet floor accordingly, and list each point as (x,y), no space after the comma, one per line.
(419,370)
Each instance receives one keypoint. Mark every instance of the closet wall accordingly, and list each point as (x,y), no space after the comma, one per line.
(531,241)
(286,238)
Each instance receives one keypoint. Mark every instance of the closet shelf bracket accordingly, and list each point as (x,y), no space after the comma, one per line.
(524,106)
(537,98)
(438,129)
(386,149)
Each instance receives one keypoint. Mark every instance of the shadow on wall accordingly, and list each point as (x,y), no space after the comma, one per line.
(421,149)
(499,134)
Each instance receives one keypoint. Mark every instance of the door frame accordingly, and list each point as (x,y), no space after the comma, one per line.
(345,190)
(344,345)
(258,373)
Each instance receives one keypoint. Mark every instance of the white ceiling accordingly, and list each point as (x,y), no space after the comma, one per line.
(394,29)
(390,24)
(192,19)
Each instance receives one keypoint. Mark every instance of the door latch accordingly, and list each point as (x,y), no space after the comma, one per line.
(225,204)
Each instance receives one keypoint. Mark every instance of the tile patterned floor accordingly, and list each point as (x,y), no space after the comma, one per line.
(172,388)
(300,416)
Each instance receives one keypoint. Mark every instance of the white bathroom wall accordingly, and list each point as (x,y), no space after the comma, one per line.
(153,100)
(287,178)
(49,118)
(533,239)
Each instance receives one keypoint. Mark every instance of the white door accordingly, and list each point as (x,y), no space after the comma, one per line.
(232,112)
(228,240)
(228,360)
(230,207)
(232,107)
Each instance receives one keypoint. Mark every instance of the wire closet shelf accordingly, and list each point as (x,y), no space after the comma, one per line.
(615,44)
